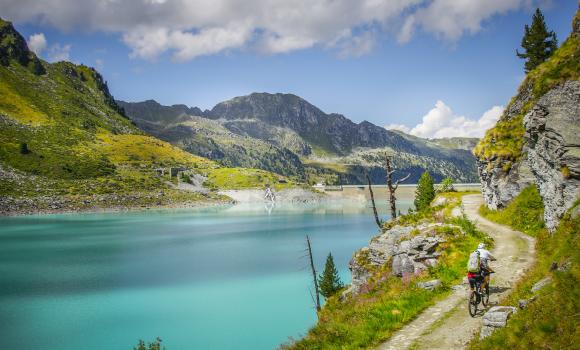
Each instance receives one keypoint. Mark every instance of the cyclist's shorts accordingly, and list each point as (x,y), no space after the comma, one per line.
(473,280)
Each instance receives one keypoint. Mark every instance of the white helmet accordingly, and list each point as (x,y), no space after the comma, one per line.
(481,246)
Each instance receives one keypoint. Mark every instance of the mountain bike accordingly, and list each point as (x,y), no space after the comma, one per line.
(478,296)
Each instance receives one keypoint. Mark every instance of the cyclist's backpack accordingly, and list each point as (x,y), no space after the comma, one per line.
(473,264)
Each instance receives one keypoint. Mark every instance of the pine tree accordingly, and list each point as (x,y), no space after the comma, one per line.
(425,191)
(539,43)
(329,282)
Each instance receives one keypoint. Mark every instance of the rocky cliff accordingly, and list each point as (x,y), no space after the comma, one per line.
(553,149)
(536,141)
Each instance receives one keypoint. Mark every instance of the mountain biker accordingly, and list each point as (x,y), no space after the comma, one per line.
(485,257)
(483,271)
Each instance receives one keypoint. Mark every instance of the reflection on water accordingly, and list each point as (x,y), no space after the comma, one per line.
(209,278)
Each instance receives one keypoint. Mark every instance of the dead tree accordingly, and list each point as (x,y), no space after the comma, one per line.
(393,187)
(377,220)
(316,291)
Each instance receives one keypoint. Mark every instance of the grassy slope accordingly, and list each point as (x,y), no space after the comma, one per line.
(550,321)
(80,143)
(503,143)
(368,319)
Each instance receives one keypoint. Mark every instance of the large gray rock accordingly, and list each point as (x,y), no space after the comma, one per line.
(553,149)
(407,251)
(500,187)
(494,318)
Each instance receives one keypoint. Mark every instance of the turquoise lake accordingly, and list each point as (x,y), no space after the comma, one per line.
(214,278)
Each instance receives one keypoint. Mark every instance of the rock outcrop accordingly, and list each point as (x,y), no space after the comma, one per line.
(408,250)
(499,187)
(553,149)
(537,139)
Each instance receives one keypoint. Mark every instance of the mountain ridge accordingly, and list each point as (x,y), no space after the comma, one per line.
(323,142)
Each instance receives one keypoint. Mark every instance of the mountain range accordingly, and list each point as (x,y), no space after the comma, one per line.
(286,134)
(65,144)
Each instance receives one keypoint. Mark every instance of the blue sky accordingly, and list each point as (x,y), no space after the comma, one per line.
(377,71)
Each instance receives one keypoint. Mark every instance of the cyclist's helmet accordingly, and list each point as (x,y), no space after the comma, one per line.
(481,246)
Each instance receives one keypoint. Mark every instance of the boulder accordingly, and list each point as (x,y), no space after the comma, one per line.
(494,318)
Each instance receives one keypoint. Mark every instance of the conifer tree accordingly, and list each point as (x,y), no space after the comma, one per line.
(425,192)
(329,282)
(538,42)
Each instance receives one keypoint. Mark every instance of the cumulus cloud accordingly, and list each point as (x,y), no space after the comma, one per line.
(190,28)
(441,121)
(37,43)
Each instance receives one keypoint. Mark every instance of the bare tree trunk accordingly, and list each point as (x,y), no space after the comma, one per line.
(373,201)
(313,274)
(392,187)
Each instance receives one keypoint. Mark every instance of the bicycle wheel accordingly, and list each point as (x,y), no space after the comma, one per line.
(485,296)
(472,304)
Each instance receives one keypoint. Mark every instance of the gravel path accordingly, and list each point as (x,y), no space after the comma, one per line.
(447,324)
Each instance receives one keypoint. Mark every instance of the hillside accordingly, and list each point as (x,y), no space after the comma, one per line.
(65,143)
(530,172)
(286,134)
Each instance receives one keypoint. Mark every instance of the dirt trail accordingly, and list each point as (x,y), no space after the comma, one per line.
(447,324)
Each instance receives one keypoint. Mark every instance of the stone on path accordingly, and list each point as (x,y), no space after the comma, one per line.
(495,318)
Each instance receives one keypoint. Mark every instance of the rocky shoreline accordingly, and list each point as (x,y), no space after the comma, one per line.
(12,206)
(43,205)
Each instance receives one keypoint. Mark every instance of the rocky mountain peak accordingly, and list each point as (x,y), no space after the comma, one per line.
(14,47)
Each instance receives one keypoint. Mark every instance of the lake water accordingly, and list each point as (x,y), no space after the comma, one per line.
(214,278)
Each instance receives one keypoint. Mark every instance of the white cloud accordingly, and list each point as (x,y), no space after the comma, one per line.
(99,63)
(37,43)
(59,52)
(451,19)
(190,28)
(441,121)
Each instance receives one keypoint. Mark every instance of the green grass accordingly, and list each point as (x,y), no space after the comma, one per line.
(243,178)
(370,318)
(551,321)
(503,143)
(524,213)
